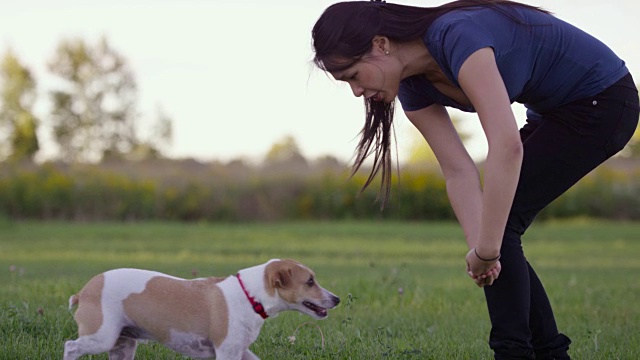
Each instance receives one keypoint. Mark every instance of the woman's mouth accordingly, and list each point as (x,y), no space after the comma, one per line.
(376,97)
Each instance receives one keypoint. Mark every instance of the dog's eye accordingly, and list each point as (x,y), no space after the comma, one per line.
(311,282)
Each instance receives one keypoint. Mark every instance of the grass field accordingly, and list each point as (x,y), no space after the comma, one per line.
(404,291)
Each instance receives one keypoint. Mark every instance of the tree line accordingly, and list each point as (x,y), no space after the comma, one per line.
(93,112)
(93,107)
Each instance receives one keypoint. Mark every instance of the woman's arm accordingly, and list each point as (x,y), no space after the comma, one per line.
(461,176)
(460,173)
(482,83)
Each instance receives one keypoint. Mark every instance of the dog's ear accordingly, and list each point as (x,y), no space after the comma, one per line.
(277,275)
(282,278)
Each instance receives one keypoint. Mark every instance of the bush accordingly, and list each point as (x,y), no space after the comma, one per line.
(190,191)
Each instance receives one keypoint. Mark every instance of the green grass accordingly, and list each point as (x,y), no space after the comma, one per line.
(591,270)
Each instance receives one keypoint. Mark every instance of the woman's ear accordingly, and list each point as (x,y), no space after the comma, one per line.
(381,43)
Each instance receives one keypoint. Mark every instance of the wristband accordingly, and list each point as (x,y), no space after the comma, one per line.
(475,251)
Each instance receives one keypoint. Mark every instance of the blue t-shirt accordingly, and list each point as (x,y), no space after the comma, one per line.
(544,62)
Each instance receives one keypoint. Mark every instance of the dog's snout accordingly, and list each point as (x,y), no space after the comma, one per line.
(336,300)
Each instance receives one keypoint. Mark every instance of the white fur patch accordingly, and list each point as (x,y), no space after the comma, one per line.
(135,282)
(191,345)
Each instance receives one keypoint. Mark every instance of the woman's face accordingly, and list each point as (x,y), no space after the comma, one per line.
(375,76)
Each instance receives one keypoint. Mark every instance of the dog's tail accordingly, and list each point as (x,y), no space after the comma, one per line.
(73,301)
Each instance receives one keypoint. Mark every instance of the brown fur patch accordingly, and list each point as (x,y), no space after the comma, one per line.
(89,314)
(190,306)
(290,278)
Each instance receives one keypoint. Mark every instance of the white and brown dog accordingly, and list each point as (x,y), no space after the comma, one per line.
(201,318)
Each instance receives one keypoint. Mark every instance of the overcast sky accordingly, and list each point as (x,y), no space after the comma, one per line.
(235,75)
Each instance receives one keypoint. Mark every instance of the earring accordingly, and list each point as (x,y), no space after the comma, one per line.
(386,52)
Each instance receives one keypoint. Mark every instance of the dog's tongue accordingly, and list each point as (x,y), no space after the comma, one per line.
(320,311)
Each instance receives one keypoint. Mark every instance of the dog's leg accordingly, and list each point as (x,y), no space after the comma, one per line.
(248,355)
(97,343)
(71,351)
(89,344)
(234,352)
(124,349)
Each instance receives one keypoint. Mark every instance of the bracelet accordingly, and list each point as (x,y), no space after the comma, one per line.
(475,251)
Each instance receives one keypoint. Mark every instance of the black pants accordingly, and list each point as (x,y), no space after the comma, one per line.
(559,150)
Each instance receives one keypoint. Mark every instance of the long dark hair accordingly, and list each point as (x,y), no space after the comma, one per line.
(345,32)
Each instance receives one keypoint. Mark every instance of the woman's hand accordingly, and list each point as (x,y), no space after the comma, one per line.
(483,273)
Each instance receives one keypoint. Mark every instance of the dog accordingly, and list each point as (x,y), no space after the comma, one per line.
(200,318)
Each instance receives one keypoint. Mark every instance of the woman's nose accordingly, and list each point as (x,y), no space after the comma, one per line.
(357,90)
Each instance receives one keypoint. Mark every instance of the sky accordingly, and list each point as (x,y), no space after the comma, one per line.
(236,75)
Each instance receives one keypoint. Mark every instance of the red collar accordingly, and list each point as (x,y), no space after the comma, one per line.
(257,307)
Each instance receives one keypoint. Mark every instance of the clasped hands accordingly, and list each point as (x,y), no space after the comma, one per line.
(483,272)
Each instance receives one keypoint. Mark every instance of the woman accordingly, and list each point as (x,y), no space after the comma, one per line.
(480,56)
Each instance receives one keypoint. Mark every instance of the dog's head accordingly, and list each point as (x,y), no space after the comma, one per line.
(296,284)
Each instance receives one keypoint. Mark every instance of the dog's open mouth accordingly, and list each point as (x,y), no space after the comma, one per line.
(320,311)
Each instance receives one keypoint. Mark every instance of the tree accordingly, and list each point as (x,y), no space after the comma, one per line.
(17,120)
(420,152)
(330,162)
(285,153)
(160,138)
(93,113)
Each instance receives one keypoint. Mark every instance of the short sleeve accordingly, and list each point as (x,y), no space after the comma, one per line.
(457,40)
(413,94)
